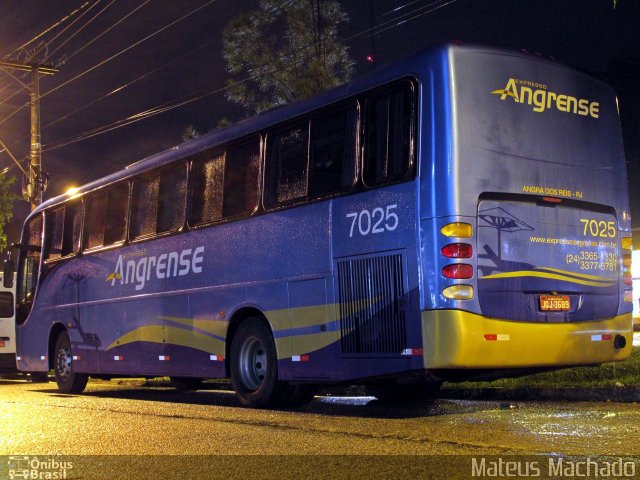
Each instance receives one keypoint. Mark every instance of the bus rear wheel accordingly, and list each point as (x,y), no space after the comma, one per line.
(68,380)
(254,366)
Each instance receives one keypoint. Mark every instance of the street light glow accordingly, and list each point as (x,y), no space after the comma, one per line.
(72,190)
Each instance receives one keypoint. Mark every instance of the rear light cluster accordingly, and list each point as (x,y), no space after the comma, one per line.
(457,250)
(626,269)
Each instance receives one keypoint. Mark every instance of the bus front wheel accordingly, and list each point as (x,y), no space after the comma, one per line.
(254,366)
(68,380)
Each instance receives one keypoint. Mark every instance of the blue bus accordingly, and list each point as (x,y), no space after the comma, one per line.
(459,214)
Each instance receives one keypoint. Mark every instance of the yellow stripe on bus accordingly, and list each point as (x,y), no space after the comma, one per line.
(549,276)
(171,336)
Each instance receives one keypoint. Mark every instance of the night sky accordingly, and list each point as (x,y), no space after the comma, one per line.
(183,61)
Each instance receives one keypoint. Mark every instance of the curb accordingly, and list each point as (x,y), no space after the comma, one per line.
(598,394)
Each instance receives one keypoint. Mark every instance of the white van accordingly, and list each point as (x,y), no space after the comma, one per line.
(7,328)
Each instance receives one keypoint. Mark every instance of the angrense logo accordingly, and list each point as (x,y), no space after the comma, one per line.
(536,94)
(166,265)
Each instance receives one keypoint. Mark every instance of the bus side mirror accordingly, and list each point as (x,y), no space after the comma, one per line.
(8,269)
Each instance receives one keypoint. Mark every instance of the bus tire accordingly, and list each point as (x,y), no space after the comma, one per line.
(254,366)
(185,384)
(68,380)
(399,393)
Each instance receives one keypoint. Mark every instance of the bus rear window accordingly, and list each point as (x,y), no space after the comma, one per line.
(389,126)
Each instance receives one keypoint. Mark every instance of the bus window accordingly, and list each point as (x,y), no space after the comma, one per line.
(55,232)
(171,199)
(116,214)
(94,221)
(158,202)
(389,125)
(145,206)
(72,228)
(206,203)
(289,164)
(106,217)
(333,151)
(240,192)
(29,265)
(63,230)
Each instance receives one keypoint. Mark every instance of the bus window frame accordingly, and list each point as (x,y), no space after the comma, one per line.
(45,247)
(23,306)
(203,156)
(267,182)
(413,131)
(186,163)
(105,189)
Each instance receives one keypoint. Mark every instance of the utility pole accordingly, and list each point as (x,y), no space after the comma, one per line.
(36,182)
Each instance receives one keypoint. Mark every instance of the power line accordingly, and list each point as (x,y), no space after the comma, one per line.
(100,64)
(104,32)
(128,84)
(76,52)
(184,100)
(47,30)
(44,45)
(197,96)
(81,28)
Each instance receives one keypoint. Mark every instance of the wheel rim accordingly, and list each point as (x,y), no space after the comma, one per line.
(63,363)
(253,363)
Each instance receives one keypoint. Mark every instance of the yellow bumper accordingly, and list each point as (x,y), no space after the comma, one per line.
(457,339)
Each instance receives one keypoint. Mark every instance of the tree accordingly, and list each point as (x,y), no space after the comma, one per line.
(7,197)
(189,133)
(285,51)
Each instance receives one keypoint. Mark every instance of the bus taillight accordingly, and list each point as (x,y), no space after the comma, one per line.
(457,250)
(458,271)
(457,230)
(458,292)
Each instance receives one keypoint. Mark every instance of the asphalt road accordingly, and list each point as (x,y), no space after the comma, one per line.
(113,418)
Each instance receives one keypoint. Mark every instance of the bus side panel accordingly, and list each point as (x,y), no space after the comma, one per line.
(162,307)
(376,282)
(56,304)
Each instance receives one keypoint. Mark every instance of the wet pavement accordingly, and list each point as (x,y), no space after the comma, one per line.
(124,419)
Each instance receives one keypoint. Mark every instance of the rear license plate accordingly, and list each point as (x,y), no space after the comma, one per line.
(555,303)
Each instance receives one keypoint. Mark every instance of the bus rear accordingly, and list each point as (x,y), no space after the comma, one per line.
(527,217)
